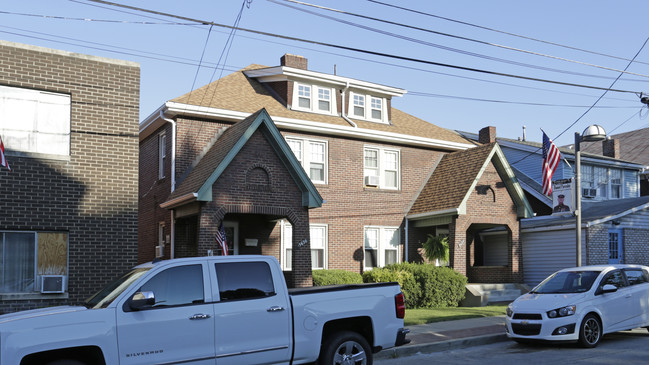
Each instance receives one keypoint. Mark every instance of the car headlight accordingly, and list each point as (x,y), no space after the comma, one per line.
(510,310)
(562,312)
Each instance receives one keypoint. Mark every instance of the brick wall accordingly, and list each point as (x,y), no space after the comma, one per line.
(634,250)
(92,195)
(487,206)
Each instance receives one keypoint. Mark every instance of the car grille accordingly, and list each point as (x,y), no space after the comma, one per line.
(535,316)
(526,329)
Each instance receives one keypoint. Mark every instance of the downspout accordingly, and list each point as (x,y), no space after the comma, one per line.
(406,243)
(342,110)
(173,179)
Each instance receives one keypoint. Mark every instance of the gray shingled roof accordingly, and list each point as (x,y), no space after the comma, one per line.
(592,211)
(634,146)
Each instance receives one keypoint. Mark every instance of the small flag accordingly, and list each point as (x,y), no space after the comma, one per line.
(3,157)
(221,240)
(551,158)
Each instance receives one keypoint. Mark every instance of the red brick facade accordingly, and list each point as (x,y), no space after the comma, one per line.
(92,195)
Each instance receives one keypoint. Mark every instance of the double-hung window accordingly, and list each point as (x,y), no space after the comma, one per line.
(601,181)
(616,183)
(367,107)
(605,183)
(381,167)
(162,154)
(34,121)
(381,246)
(318,244)
(312,155)
(314,98)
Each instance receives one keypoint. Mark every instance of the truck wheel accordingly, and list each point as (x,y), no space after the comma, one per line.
(590,331)
(345,348)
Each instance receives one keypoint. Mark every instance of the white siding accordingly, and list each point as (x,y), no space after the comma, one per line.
(637,220)
(545,252)
(631,187)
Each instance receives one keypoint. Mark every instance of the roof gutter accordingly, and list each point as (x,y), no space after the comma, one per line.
(183,199)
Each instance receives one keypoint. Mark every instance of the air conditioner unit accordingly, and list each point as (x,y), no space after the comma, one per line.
(588,193)
(52,284)
(159,251)
(372,180)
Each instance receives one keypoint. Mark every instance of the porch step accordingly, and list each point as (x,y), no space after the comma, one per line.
(478,295)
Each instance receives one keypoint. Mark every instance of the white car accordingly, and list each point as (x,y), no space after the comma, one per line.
(582,304)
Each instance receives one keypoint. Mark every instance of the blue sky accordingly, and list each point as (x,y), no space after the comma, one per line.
(169,54)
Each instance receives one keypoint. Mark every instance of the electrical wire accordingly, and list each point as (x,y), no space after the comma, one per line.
(443,34)
(504,32)
(425,94)
(374,53)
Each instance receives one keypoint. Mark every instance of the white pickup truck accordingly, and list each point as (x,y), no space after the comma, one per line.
(210,310)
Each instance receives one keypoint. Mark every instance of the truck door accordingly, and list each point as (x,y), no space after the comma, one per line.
(252,316)
(177,328)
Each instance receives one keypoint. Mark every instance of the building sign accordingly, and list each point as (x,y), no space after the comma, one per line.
(562,201)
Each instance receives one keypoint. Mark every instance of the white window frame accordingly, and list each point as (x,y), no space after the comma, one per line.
(35,122)
(286,238)
(601,178)
(305,156)
(368,106)
(314,98)
(383,238)
(162,154)
(382,169)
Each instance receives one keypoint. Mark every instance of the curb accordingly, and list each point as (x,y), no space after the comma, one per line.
(409,350)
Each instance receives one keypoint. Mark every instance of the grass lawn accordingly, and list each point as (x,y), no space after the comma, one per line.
(423,316)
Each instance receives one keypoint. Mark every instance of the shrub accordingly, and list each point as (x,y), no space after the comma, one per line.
(434,286)
(405,279)
(335,277)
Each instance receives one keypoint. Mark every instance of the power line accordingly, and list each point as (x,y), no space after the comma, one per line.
(425,94)
(503,32)
(439,33)
(374,53)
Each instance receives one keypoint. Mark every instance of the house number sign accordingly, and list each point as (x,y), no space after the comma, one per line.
(302,243)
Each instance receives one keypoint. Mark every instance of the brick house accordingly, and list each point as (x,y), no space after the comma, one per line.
(69,214)
(367,160)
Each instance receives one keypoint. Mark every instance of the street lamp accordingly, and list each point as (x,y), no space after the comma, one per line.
(591,134)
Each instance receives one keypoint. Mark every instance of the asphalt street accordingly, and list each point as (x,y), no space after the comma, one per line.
(628,347)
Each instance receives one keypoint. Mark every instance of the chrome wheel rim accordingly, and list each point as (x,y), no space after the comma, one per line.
(350,353)
(591,331)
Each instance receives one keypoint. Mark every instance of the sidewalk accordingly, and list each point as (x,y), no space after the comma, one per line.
(448,335)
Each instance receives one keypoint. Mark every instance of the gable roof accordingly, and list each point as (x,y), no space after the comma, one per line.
(447,191)
(197,186)
(241,95)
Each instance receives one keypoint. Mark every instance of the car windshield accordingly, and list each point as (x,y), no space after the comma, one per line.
(567,282)
(111,291)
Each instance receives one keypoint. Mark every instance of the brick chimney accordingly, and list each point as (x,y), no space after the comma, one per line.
(611,148)
(293,61)
(487,135)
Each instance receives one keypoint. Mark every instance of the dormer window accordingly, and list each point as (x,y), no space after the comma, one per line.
(368,108)
(313,98)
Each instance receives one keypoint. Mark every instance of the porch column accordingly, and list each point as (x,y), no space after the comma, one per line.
(301,253)
(457,245)
(516,254)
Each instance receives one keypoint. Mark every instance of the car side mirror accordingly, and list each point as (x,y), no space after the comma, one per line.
(141,300)
(609,288)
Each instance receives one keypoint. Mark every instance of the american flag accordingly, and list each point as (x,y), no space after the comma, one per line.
(551,158)
(3,157)
(221,240)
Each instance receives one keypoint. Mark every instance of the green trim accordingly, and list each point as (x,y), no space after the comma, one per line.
(310,198)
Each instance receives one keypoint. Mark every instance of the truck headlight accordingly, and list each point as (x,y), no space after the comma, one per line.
(562,312)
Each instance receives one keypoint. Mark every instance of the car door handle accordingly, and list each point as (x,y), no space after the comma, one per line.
(199,316)
(275,308)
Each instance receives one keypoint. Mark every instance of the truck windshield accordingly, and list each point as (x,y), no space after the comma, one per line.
(567,282)
(111,291)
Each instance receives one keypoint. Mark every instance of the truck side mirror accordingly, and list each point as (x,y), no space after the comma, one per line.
(141,300)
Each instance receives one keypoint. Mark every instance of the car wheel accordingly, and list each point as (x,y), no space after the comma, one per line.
(346,348)
(590,331)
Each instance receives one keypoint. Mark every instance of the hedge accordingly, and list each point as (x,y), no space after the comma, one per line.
(424,285)
(335,277)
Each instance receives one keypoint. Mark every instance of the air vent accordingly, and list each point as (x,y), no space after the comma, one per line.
(372,180)
(52,284)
